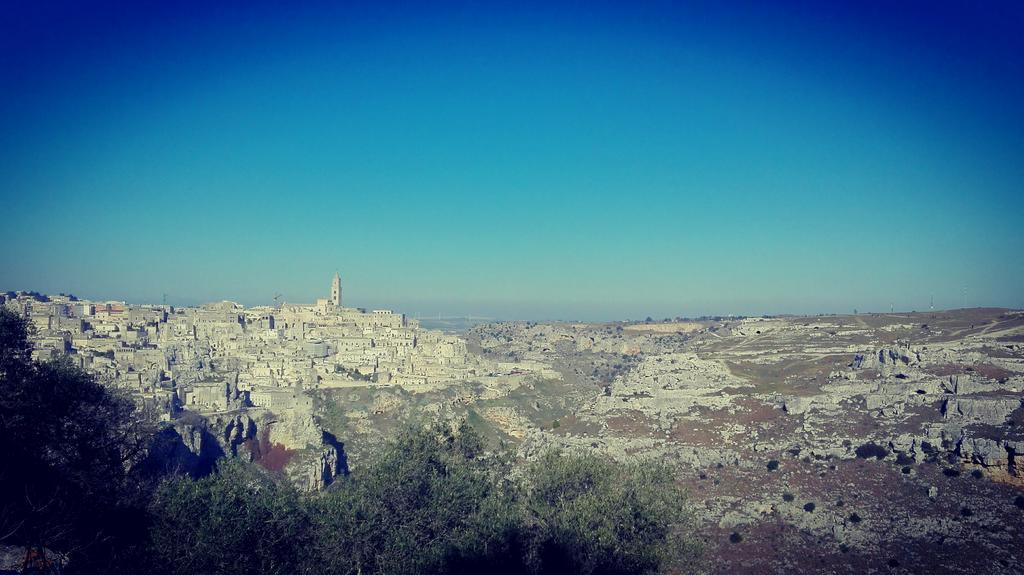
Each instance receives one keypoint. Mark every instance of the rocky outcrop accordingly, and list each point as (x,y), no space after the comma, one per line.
(886,359)
(987,452)
(329,463)
(796,405)
(320,458)
(1001,460)
(993,411)
(232,430)
(311,457)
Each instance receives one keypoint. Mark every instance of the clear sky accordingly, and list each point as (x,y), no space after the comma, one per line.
(583,160)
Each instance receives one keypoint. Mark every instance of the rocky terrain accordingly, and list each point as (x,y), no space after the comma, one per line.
(846,444)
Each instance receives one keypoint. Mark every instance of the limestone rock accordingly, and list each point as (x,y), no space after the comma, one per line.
(985,410)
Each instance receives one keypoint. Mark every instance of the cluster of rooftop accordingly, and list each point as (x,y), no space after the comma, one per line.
(221,357)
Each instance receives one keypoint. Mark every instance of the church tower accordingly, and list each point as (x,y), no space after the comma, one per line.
(336,290)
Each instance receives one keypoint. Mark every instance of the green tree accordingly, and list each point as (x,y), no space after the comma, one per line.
(434,501)
(68,444)
(237,520)
(589,514)
(417,508)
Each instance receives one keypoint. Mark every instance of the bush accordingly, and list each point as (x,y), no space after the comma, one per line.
(68,445)
(237,520)
(592,515)
(428,500)
(869,450)
(773,465)
(435,502)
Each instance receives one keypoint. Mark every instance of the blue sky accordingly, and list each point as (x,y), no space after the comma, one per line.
(583,160)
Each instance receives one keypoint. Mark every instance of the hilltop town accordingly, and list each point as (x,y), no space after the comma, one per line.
(225,377)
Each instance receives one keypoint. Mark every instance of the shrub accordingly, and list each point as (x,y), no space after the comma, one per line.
(903,459)
(594,515)
(428,499)
(68,446)
(809,507)
(869,450)
(773,465)
(237,520)
(434,502)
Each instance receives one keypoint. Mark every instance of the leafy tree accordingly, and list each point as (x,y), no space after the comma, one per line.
(432,502)
(237,520)
(417,508)
(591,515)
(67,445)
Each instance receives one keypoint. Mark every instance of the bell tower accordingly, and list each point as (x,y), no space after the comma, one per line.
(336,290)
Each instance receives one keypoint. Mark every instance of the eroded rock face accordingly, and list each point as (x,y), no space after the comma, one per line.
(320,457)
(191,445)
(985,410)
(987,452)
(797,405)
(232,430)
(329,463)
(292,443)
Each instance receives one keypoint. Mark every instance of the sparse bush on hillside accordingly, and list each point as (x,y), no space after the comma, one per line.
(869,450)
